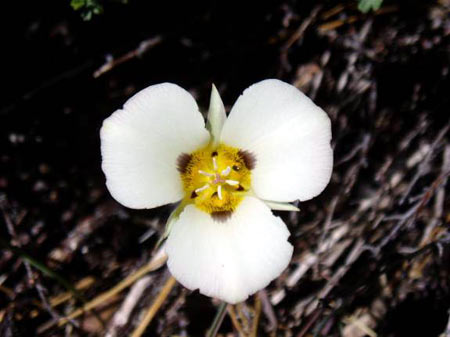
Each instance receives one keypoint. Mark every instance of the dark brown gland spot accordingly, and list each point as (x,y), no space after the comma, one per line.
(221,216)
(214,154)
(215,194)
(240,188)
(194,195)
(236,168)
(183,161)
(248,158)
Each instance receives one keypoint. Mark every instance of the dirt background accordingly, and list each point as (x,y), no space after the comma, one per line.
(372,255)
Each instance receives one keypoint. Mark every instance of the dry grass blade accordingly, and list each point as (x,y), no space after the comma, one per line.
(360,325)
(82,284)
(154,264)
(7,291)
(159,300)
(243,317)
(122,316)
(235,321)
(257,309)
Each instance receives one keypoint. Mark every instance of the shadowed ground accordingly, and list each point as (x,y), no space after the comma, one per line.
(371,253)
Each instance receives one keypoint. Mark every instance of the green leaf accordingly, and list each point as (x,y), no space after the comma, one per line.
(77,4)
(367,5)
(88,8)
(43,268)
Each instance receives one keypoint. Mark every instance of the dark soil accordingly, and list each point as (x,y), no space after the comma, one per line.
(372,253)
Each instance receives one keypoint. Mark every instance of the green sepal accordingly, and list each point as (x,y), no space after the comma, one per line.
(216,116)
(281,206)
(170,221)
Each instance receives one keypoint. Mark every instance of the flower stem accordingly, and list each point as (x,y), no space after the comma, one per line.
(212,332)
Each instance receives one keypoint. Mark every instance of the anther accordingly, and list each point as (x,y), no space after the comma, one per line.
(232,182)
(219,192)
(202,188)
(236,168)
(206,173)
(226,171)
(214,154)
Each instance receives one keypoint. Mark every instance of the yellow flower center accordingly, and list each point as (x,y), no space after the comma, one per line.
(216,179)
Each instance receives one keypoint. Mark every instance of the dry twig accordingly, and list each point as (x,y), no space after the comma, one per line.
(143,47)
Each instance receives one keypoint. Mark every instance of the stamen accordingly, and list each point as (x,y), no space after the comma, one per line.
(216,180)
(226,171)
(202,188)
(205,173)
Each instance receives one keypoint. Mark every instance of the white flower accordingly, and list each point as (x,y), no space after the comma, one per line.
(273,148)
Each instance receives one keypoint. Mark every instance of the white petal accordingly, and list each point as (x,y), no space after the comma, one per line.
(228,260)
(140,145)
(289,136)
(216,115)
